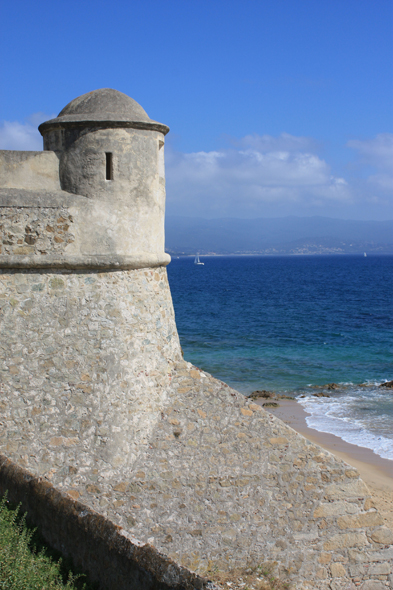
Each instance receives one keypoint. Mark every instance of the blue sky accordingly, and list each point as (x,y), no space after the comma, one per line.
(276,107)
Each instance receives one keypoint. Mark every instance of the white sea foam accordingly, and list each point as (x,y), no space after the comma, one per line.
(355,417)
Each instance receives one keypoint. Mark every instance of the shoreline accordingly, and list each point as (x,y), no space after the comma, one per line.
(375,471)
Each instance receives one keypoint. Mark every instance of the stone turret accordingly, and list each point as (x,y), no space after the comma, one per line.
(109,172)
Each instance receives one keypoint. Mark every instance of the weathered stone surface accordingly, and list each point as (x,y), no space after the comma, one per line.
(73,364)
(360,520)
(346,490)
(338,570)
(342,584)
(373,585)
(361,556)
(334,509)
(35,231)
(346,540)
(373,569)
(383,535)
(29,170)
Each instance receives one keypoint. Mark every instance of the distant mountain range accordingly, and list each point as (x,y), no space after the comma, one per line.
(277,236)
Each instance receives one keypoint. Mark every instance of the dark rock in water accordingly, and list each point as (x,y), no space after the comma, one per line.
(271,405)
(332,386)
(320,394)
(263,393)
(388,384)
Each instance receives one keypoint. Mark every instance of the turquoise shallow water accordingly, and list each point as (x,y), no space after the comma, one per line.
(290,323)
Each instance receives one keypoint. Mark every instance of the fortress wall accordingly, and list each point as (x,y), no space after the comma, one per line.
(57,230)
(225,486)
(84,368)
(96,399)
(29,170)
(110,556)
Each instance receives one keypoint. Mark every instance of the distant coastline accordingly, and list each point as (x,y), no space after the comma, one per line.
(282,236)
(175,254)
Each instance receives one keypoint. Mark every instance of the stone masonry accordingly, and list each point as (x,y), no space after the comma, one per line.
(96,398)
(35,231)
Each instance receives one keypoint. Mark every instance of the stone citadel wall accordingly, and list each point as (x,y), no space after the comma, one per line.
(84,359)
(96,399)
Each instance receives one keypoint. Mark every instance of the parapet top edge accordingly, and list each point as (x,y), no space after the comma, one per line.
(80,121)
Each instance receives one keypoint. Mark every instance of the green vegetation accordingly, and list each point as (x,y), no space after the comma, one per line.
(26,562)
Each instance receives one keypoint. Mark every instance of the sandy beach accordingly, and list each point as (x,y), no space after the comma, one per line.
(376,472)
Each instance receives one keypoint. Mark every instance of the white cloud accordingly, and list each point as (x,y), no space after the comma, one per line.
(377,153)
(22,136)
(264,175)
(285,142)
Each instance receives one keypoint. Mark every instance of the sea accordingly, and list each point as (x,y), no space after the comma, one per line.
(294,325)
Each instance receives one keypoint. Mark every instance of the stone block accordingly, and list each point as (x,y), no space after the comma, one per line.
(380,569)
(255,408)
(341,584)
(372,585)
(279,440)
(330,509)
(365,519)
(358,570)
(321,573)
(337,570)
(73,493)
(324,558)
(350,489)
(383,535)
(361,556)
(346,540)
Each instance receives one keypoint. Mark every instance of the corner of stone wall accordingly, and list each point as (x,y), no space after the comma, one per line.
(107,553)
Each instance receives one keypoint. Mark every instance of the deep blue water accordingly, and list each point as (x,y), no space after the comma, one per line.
(285,323)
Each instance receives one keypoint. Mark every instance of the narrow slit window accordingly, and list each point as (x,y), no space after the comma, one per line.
(109,166)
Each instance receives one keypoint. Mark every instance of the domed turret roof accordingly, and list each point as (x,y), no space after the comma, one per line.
(104,108)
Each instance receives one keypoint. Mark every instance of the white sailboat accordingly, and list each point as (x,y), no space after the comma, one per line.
(197,261)
(365,255)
